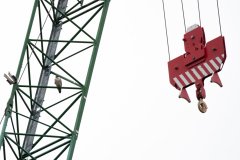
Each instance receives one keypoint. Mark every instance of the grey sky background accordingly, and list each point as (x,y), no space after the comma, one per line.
(132,111)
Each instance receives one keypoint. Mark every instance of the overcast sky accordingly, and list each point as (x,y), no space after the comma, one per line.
(132,111)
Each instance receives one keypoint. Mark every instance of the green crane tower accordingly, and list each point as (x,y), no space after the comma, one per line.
(46,125)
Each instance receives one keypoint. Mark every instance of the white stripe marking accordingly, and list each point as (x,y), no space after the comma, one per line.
(196,74)
(219,60)
(178,83)
(223,55)
(184,80)
(190,76)
(202,70)
(208,67)
(214,64)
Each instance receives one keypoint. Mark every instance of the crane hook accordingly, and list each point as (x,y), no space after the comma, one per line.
(202,106)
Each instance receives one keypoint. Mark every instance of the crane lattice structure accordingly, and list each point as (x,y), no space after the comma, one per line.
(40,126)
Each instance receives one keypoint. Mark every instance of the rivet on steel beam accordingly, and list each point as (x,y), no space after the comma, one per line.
(192,36)
(193,58)
(176,68)
(214,49)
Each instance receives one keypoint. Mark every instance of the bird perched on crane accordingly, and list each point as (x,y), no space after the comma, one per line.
(58,83)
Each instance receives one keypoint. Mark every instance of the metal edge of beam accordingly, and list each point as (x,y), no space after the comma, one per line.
(88,80)
(10,102)
(43,80)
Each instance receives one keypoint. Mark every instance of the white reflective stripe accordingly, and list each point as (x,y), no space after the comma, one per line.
(214,64)
(223,55)
(184,80)
(208,68)
(196,74)
(178,83)
(190,76)
(202,70)
(219,60)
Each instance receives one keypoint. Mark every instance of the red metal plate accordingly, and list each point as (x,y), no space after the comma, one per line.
(181,76)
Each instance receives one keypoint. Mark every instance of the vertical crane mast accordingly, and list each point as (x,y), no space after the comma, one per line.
(44,77)
(32,140)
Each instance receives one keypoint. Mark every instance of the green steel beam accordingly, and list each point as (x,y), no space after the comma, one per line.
(90,19)
(4,151)
(48,87)
(65,46)
(90,3)
(44,6)
(38,122)
(82,1)
(48,145)
(80,14)
(7,137)
(37,135)
(44,40)
(62,100)
(36,56)
(64,149)
(25,103)
(50,150)
(71,21)
(54,14)
(45,110)
(17,122)
(74,54)
(11,148)
(71,8)
(10,102)
(88,80)
(29,77)
(65,111)
(56,64)
(14,131)
(40,27)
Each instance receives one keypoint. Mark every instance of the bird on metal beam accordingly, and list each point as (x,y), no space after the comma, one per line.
(58,83)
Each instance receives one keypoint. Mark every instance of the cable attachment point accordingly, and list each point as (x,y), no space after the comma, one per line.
(202,106)
(11,79)
(57,22)
(8,109)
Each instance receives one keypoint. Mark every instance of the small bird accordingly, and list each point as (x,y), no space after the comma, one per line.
(58,83)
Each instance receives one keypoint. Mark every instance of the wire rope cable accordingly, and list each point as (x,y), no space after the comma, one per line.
(35,44)
(166,29)
(199,15)
(183,16)
(219,19)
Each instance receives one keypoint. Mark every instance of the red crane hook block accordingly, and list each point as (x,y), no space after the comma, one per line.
(200,61)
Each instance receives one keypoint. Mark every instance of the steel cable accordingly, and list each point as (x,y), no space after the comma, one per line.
(35,44)
(219,19)
(166,29)
(183,16)
(199,13)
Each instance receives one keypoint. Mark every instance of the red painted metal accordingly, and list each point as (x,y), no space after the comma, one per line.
(200,61)
(184,94)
